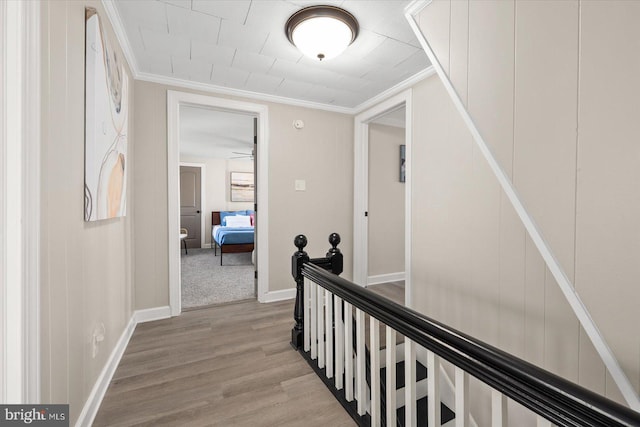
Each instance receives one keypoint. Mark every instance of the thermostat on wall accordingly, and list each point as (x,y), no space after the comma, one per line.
(298,124)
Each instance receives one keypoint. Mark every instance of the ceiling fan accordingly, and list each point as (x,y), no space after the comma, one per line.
(242,155)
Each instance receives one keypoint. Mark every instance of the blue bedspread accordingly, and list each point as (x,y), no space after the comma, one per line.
(234,235)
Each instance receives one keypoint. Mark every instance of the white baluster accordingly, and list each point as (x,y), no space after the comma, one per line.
(391,376)
(313,294)
(462,398)
(411,413)
(348,352)
(541,422)
(306,316)
(328,318)
(339,328)
(433,389)
(498,409)
(361,380)
(374,352)
(320,302)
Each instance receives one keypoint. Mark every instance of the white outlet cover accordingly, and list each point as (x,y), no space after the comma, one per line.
(301,185)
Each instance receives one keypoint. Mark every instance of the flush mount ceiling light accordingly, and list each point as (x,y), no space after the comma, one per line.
(322,32)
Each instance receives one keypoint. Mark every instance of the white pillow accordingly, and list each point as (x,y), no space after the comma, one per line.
(238,221)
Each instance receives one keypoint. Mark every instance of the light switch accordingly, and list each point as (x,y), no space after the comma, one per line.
(301,185)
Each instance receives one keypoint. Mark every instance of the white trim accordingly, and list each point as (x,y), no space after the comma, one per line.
(563,281)
(361,180)
(20,208)
(152,314)
(281,295)
(221,90)
(31,200)
(4,278)
(203,187)
(385,278)
(93,402)
(395,90)
(118,28)
(174,100)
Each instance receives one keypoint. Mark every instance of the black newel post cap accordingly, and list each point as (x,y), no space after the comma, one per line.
(334,255)
(334,240)
(300,242)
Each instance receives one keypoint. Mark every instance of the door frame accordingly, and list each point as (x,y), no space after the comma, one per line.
(174,100)
(361,183)
(20,132)
(203,214)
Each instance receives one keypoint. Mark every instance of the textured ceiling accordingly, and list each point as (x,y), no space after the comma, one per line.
(214,134)
(241,44)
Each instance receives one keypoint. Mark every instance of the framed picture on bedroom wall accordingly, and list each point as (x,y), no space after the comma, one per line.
(242,187)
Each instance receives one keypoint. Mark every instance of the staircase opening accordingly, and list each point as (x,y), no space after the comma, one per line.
(384,362)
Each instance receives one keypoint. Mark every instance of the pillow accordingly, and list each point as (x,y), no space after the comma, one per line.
(238,221)
(253,219)
(223,215)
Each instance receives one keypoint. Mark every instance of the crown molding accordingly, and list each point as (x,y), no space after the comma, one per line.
(416,6)
(118,27)
(221,90)
(394,90)
(116,22)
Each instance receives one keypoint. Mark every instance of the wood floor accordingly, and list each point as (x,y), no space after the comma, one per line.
(227,365)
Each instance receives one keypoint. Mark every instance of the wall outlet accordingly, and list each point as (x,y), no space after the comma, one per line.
(97,338)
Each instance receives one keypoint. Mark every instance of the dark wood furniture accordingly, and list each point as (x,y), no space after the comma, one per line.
(227,249)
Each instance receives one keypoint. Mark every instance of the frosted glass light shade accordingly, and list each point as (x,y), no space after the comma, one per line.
(322,32)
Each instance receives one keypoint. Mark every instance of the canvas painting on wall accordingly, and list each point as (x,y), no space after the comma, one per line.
(106,121)
(242,187)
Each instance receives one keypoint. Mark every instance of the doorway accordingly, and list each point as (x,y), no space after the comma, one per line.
(216,150)
(362,128)
(177,103)
(386,216)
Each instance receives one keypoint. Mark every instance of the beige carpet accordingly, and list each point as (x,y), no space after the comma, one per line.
(205,281)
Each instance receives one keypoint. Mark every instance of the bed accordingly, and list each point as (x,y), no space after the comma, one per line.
(231,239)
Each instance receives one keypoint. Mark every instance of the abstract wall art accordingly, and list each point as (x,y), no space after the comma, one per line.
(106,122)
(242,187)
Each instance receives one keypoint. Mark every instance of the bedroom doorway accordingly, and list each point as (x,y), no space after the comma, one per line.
(217,199)
(225,137)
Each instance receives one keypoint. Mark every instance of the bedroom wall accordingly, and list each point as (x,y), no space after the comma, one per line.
(321,153)
(553,88)
(386,201)
(218,187)
(86,268)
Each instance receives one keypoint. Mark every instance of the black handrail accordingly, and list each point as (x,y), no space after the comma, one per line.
(560,401)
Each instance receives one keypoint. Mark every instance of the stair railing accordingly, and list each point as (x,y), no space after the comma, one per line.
(329,309)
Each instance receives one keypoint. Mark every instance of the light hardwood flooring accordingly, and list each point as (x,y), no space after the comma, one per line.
(226,365)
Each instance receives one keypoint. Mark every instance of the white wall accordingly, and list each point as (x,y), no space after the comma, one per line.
(386,201)
(553,88)
(218,187)
(87,268)
(321,154)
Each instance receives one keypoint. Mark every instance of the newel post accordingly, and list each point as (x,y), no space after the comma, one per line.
(335,254)
(297,260)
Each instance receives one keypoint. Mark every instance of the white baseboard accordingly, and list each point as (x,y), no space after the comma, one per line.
(151,314)
(385,278)
(91,406)
(282,295)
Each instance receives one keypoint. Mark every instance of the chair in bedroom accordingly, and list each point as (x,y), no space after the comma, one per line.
(184,233)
